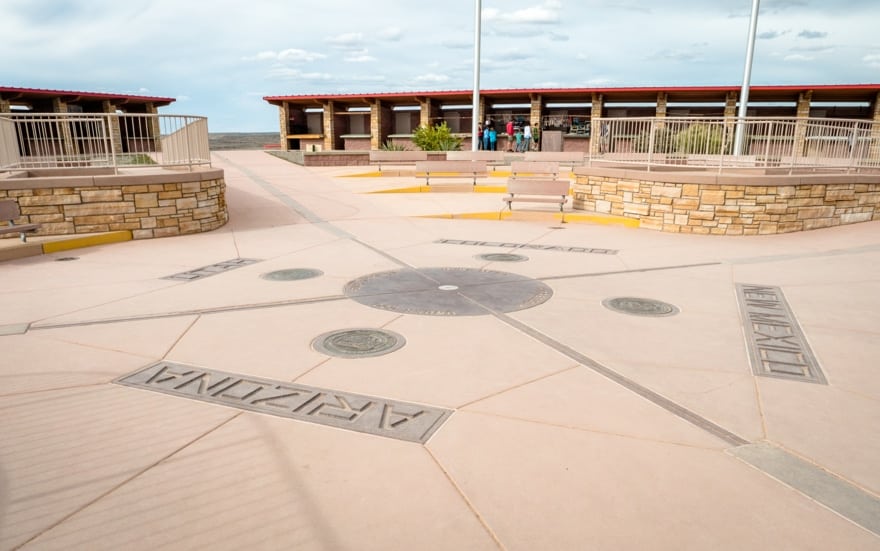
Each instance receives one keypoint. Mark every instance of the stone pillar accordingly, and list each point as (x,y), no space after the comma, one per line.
(329,126)
(536,116)
(381,118)
(429,112)
(660,113)
(66,144)
(5,106)
(109,108)
(662,100)
(800,129)
(283,117)
(874,149)
(729,122)
(730,105)
(596,111)
(155,129)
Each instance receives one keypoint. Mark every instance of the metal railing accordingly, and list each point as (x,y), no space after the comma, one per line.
(851,145)
(64,140)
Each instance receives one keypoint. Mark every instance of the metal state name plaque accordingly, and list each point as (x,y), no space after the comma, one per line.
(379,416)
(777,346)
(532,246)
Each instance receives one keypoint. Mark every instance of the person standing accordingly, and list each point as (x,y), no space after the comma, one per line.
(527,136)
(493,138)
(480,137)
(509,130)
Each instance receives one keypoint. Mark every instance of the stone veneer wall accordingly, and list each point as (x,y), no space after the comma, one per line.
(729,203)
(148,205)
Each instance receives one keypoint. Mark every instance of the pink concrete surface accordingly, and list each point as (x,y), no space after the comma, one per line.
(541,451)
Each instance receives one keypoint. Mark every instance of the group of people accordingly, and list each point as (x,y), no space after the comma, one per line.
(519,136)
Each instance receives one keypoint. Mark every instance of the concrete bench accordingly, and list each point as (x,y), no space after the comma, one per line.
(9,211)
(451,169)
(533,169)
(493,158)
(396,157)
(537,190)
(570,158)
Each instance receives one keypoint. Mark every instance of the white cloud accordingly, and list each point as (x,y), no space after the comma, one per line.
(392,34)
(797,57)
(543,14)
(359,56)
(432,77)
(872,60)
(289,73)
(811,34)
(770,35)
(346,40)
(289,55)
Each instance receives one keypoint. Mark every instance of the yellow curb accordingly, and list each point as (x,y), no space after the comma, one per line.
(363,175)
(86,241)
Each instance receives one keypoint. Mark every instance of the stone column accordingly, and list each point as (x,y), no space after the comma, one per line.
(155,129)
(660,113)
(329,127)
(283,118)
(662,100)
(380,122)
(426,111)
(800,130)
(536,116)
(596,111)
(109,108)
(66,144)
(730,105)
(874,149)
(729,124)
(5,106)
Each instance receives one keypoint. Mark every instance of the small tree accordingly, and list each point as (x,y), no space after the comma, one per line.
(436,138)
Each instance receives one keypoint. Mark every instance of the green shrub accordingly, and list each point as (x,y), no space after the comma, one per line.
(391,146)
(436,138)
(702,138)
(662,141)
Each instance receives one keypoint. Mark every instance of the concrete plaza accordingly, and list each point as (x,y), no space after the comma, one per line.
(170,394)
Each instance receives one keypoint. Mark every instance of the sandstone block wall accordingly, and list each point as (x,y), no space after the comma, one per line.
(729,204)
(143,204)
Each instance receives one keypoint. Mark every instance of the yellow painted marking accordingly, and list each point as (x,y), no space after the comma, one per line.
(86,241)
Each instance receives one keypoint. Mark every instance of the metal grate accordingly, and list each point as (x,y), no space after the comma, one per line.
(213,269)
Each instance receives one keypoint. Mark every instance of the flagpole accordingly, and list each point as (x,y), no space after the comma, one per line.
(475,116)
(744,92)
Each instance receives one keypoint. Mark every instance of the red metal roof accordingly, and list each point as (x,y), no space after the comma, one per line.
(821,92)
(24,93)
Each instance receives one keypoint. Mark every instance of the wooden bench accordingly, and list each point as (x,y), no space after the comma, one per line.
(451,169)
(537,190)
(9,211)
(396,157)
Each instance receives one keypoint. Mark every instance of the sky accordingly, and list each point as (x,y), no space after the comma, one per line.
(220,58)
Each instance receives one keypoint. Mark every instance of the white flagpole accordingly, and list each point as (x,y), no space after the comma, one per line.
(475,117)
(744,92)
